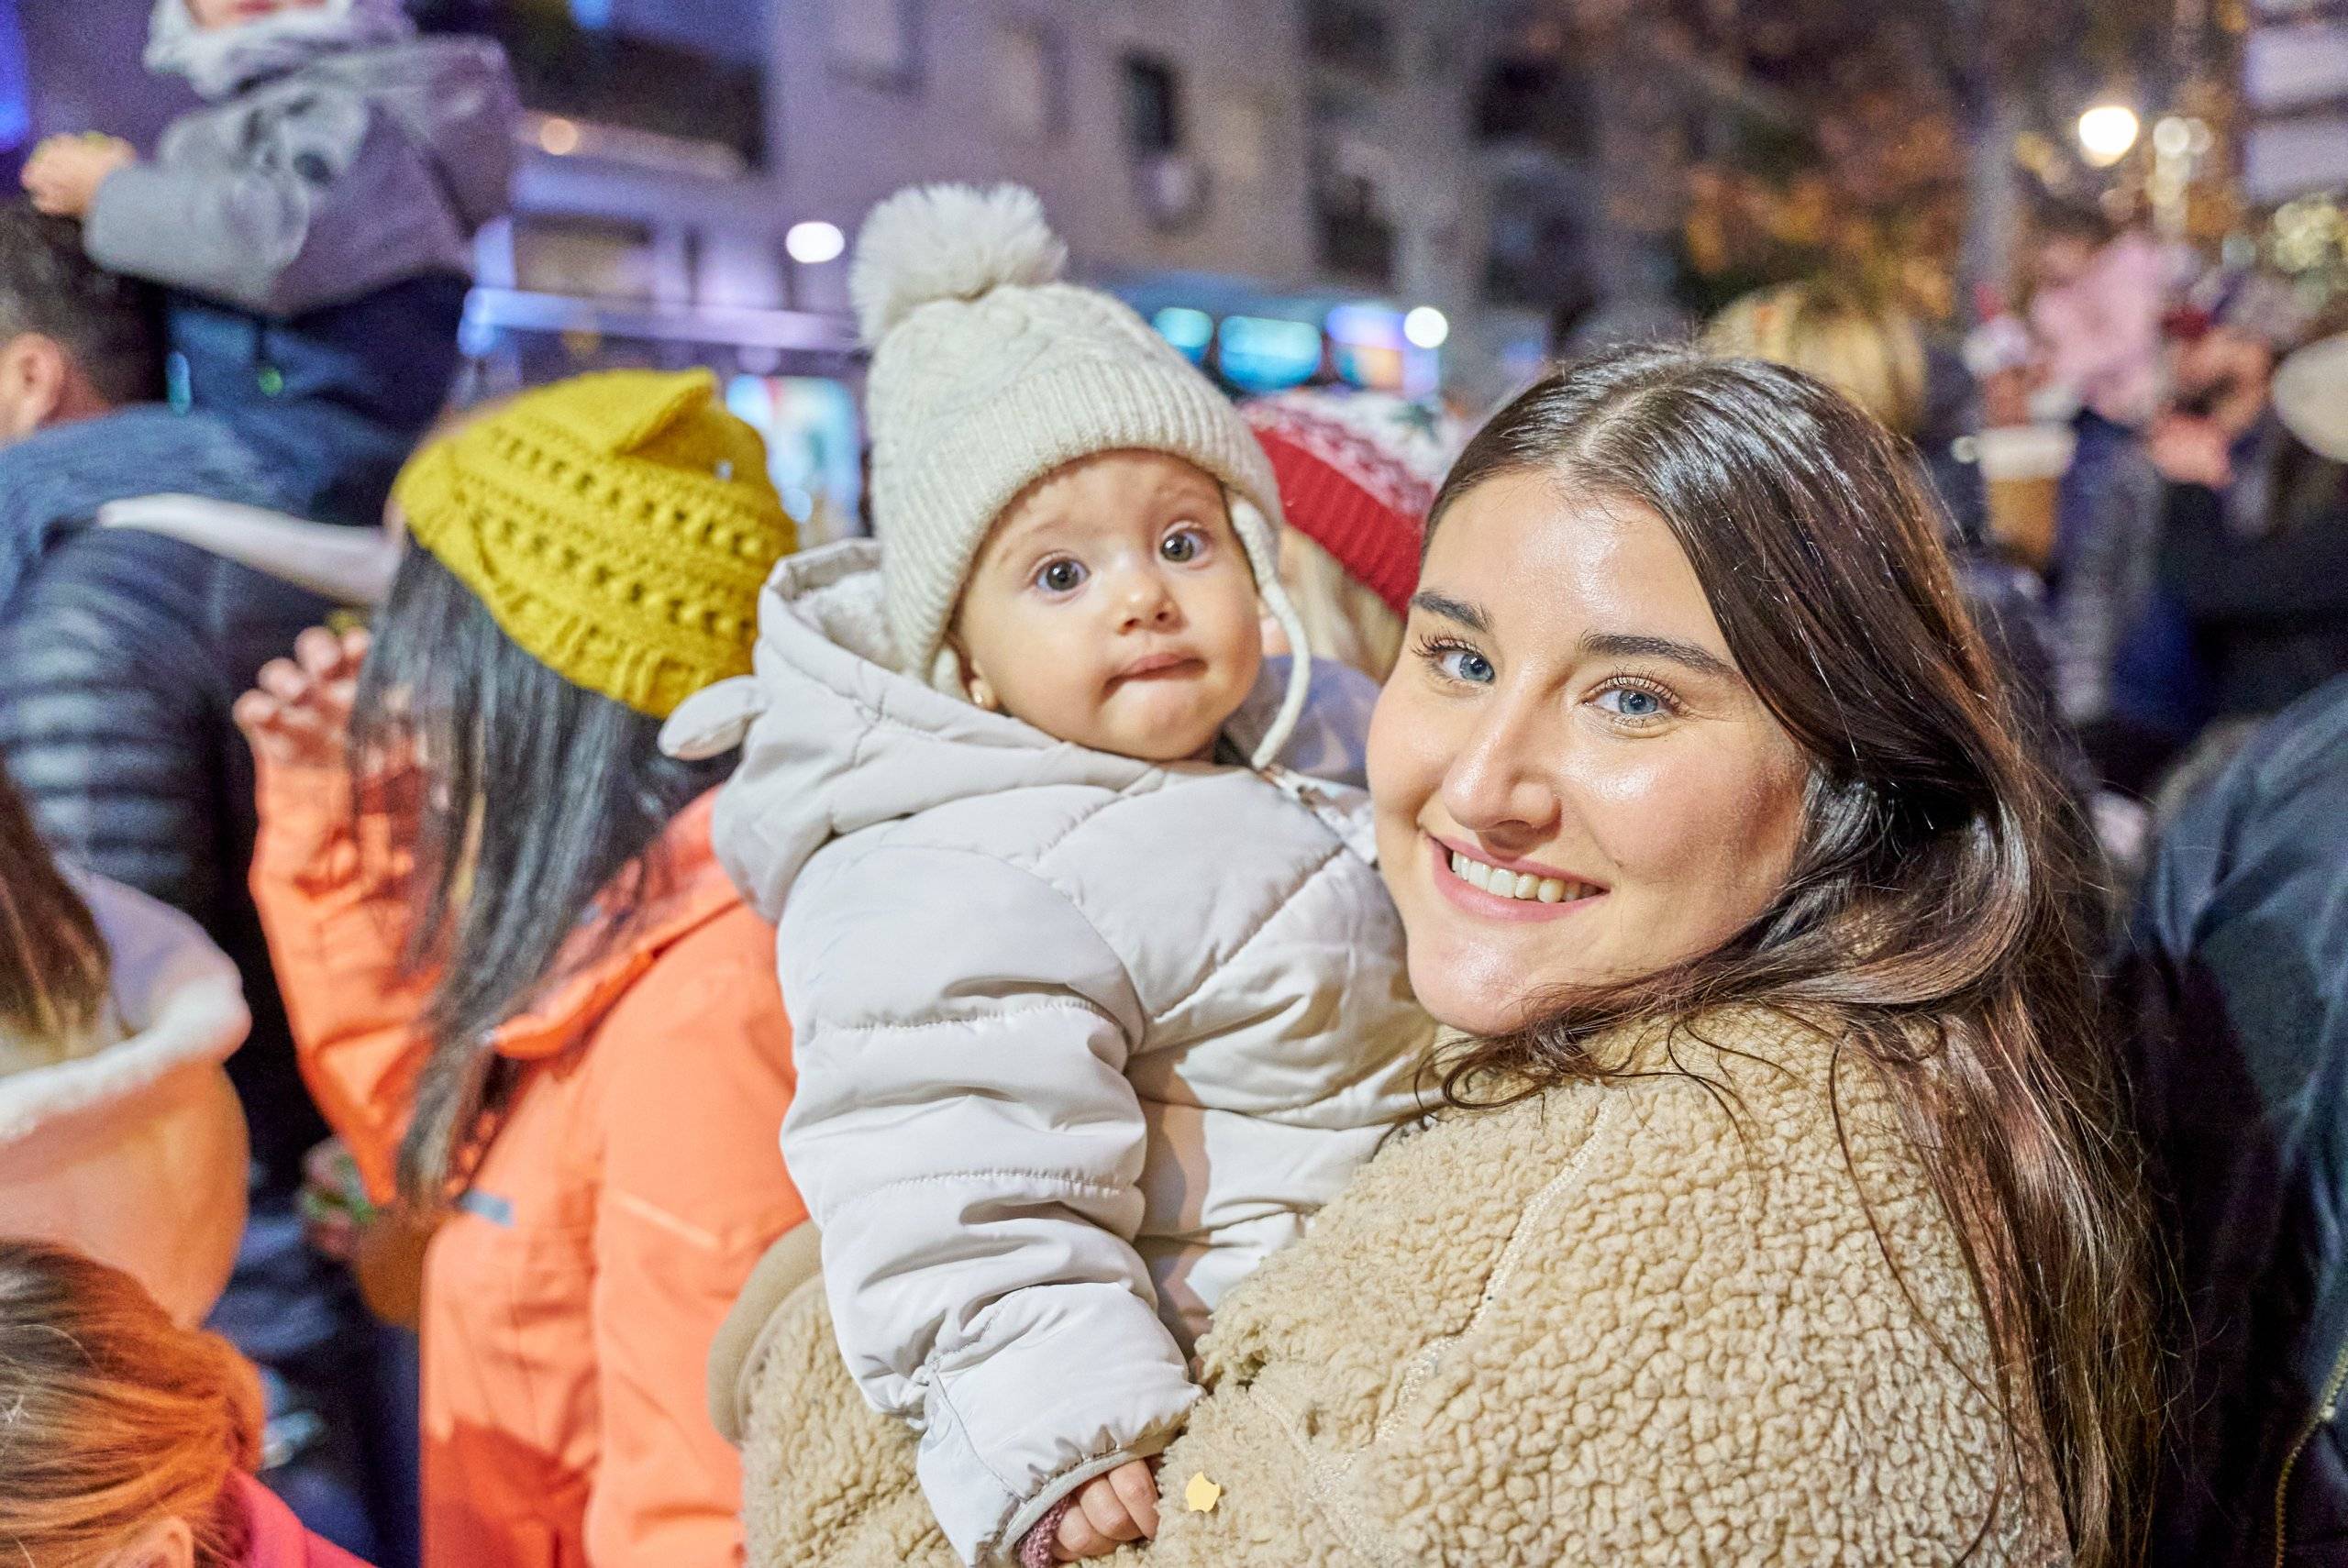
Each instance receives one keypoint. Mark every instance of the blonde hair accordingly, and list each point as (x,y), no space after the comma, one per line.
(55,983)
(1344,618)
(112,1417)
(1871,351)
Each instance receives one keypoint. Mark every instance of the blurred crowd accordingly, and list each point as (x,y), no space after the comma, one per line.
(269,1030)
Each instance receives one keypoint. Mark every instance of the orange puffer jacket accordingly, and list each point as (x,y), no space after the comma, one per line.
(631,1182)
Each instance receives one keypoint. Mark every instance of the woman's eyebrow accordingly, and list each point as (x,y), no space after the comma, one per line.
(1634,644)
(1468,616)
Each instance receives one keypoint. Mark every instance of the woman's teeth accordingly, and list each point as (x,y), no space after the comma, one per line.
(1516,884)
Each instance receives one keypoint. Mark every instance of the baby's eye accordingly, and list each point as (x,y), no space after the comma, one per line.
(1183,544)
(1060,577)
(1464,664)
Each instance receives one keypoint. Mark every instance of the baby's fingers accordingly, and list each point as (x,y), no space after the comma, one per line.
(1079,1538)
(1137,1489)
(1099,1503)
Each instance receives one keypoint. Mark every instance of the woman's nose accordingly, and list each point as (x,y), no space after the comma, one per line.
(1498,782)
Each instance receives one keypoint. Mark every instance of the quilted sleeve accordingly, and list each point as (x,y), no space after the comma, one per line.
(972,1153)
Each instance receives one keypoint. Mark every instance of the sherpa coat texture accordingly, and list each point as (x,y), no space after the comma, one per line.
(1081,1040)
(1643,1323)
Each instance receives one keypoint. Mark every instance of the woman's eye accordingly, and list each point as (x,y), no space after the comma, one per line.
(1060,577)
(1632,702)
(1182,545)
(1464,664)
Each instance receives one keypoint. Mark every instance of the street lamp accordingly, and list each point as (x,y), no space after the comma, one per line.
(812,244)
(2107,132)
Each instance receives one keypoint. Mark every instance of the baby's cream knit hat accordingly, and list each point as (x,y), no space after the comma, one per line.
(989,373)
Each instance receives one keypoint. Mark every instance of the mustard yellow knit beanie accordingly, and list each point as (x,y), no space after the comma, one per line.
(618,526)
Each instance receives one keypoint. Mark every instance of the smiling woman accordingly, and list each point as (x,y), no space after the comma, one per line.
(1692,720)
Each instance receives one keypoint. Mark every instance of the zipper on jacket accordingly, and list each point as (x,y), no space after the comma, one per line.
(2326,1408)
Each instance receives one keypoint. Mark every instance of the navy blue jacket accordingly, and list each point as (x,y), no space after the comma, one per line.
(119,657)
(2235,987)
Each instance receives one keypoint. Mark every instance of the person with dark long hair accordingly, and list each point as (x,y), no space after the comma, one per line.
(1780,1211)
(523,991)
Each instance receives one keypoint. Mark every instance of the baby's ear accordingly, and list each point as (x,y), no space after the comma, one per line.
(966,671)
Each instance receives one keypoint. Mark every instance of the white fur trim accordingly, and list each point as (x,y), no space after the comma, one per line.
(179,995)
(947,242)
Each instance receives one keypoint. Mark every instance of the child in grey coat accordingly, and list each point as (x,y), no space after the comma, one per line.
(311,226)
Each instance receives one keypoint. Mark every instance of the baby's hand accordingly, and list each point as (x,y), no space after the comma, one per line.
(1121,1506)
(66,171)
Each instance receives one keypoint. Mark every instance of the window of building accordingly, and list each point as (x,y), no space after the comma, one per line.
(1354,231)
(1351,35)
(585,258)
(1538,253)
(877,40)
(1238,138)
(688,71)
(1537,99)
(1027,81)
(1153,106)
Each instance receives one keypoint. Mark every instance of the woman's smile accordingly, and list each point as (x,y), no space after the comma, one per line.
(1499,888)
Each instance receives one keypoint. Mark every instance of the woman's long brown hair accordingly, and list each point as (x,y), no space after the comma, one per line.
(54,975)
(1941,906)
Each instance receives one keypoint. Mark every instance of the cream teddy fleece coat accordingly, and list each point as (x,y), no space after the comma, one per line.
(1610,1324)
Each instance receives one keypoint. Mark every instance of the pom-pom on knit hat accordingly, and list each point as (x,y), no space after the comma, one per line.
(1357,473)
(988,374)
(618,526)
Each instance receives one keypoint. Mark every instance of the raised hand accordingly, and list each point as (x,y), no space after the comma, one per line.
(298,713)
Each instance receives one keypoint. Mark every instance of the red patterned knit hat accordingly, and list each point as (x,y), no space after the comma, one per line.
(1357,472)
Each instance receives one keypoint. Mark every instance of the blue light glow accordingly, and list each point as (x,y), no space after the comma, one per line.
(1189,330)
(1261,354)
(15,82)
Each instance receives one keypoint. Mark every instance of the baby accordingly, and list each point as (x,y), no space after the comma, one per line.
(1095,1004)
(311,226)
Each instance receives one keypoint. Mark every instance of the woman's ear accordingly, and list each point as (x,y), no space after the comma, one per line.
(166,1543)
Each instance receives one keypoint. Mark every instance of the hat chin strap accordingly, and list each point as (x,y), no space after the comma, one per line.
(1261,541)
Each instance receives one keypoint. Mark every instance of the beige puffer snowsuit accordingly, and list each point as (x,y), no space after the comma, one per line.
(1081,1040)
